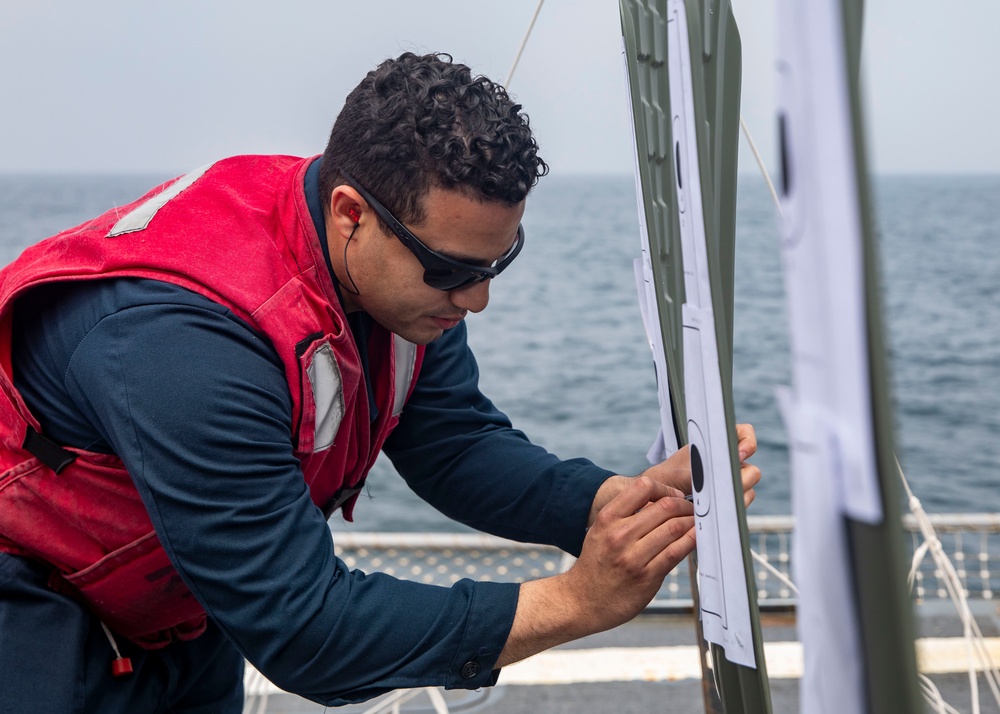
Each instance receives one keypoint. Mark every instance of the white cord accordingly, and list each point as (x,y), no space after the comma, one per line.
(760,163)
(255,692)
(392,702)
(524,42)
(953,583)
(777,573)
(933,696)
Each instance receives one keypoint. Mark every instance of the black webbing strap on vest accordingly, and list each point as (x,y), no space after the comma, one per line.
(48,452)
(340,497)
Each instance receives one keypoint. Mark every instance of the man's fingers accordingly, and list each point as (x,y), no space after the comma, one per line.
(677,549)
(640,492)
(638,535)
(746,439)
(660,524)
(674,471)
(657,512)
(749,475)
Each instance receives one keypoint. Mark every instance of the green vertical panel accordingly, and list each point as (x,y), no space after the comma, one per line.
(717,96)
(729,56)
(722,69)
(644,26)
(717,100)
(878,551)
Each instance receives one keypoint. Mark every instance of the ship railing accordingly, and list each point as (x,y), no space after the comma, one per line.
(971,541)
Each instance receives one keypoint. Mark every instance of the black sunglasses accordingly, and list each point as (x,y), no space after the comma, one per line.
(440,271)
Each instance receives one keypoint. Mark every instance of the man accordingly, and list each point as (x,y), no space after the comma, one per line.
(195,382)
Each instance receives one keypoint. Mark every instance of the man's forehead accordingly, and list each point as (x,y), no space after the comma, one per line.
(467,227)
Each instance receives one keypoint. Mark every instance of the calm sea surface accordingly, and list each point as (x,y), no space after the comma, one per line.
(562,351)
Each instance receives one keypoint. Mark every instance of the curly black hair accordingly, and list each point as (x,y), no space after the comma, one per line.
(423,120)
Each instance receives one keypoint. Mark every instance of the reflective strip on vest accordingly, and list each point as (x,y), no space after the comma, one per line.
(328,396)
(139,218)
(406,355)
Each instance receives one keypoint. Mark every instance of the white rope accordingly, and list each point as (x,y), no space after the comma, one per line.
(255,692)
(977,651)
(760,163)
(933,696)
(777,573)
(391,703)
(524,42)
(437,700)
(918,558)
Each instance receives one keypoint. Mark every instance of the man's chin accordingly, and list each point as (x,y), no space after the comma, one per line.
(424,331)
(421,336)
(427,340)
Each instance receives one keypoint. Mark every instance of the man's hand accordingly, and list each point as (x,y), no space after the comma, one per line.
(675,471)
(746,445)
(640,529)
(637,538)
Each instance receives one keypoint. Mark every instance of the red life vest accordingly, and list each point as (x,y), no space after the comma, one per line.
(238,232)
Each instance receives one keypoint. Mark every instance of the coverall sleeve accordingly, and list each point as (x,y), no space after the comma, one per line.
(197,406)
(460,453)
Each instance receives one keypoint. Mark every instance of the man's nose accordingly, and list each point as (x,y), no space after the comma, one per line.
(473,297)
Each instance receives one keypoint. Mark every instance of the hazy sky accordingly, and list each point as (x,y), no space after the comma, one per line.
(127,86)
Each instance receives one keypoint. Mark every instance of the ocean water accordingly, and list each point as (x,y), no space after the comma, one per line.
(561,346)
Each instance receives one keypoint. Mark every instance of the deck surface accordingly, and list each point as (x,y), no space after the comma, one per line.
(650,666)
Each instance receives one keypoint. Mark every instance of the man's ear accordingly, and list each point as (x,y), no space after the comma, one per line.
(345,211)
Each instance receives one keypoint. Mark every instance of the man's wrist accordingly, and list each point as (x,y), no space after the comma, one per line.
(549,613)
(611,487)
